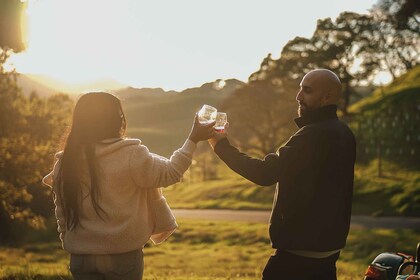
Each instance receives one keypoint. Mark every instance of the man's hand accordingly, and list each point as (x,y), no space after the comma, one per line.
(217,136)
(200,132)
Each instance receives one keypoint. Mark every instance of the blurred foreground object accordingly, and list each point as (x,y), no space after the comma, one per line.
(11,24)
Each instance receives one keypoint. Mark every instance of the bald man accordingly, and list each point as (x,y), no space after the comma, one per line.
(314,173)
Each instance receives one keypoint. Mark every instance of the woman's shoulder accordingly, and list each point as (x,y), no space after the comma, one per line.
(120,145)
(136,145)
(131,141)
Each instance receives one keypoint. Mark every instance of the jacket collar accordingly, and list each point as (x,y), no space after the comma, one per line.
(318,115)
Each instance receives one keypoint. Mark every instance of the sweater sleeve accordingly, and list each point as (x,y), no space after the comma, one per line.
(149,170)
(262,172)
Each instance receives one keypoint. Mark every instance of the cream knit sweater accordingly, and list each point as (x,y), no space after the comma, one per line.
(129,180)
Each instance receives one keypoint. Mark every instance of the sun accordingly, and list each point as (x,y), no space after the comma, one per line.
(74,41)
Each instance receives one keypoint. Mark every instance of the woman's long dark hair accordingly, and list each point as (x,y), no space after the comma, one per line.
(96,116)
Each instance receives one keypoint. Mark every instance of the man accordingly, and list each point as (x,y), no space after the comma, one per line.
(314,173)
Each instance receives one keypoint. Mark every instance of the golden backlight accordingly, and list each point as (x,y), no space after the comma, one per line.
(168,44)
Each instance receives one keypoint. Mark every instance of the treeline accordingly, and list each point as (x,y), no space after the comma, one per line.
(29,136)
(355,46)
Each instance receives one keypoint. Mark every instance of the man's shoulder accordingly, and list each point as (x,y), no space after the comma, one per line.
(334,123)
(334,130)
(325,128)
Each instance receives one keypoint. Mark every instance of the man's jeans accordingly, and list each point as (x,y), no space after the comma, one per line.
(285,265)
(126,266)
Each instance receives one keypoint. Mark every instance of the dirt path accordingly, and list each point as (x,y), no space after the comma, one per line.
(263,217)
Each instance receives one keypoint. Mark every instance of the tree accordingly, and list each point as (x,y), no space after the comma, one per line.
(337,45)
(261,116)
(10,38)
(392,43)
(356,47)
(334,45)
(405,14)
(29,127)
(270,93)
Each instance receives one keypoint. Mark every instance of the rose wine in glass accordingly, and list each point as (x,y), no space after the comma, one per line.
(221,119)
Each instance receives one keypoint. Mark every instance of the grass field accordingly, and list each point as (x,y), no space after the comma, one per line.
(201,250)
(231,192)
(397,192)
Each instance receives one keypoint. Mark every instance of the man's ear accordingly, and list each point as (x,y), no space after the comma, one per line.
(326,97)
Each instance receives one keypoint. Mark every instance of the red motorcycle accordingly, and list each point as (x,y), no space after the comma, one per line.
(394,266)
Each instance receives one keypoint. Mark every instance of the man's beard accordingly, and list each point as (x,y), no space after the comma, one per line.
(304,110)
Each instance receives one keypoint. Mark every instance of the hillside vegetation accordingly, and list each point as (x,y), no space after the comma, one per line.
(410,81)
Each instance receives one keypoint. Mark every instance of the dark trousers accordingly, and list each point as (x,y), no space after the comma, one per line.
(125,266)
(285,265)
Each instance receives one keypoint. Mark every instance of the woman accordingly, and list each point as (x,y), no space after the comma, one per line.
(106,190)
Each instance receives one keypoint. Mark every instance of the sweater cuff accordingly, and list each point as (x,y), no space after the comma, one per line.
(189,147)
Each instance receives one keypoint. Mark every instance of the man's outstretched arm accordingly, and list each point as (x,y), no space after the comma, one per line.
(262,172)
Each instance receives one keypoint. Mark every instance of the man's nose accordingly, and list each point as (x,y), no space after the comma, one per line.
(299,96)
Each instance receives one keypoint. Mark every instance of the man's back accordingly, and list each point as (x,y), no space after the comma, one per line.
(313,203)
(314,173)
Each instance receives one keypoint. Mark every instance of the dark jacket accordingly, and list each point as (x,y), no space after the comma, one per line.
(314,173)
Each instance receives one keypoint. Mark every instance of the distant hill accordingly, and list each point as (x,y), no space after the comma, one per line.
(46,86)
(163,119)
(29,85)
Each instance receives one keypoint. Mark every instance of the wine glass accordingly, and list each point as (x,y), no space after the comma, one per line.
(221,120)
(207,114)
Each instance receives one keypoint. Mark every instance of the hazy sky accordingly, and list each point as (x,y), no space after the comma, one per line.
(173,44)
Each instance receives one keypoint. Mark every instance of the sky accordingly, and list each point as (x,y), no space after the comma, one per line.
(169,44)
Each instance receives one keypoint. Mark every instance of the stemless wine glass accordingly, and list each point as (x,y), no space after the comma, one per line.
(221,120)
(207,114)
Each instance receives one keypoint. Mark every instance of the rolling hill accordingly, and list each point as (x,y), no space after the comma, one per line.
(29,85)
(45,86)
(163,119)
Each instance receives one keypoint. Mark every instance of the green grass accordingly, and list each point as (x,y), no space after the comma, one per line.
(408,81)
(201,250)
(230,192)
(395,193)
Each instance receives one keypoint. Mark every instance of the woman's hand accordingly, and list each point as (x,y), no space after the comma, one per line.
(201,132)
